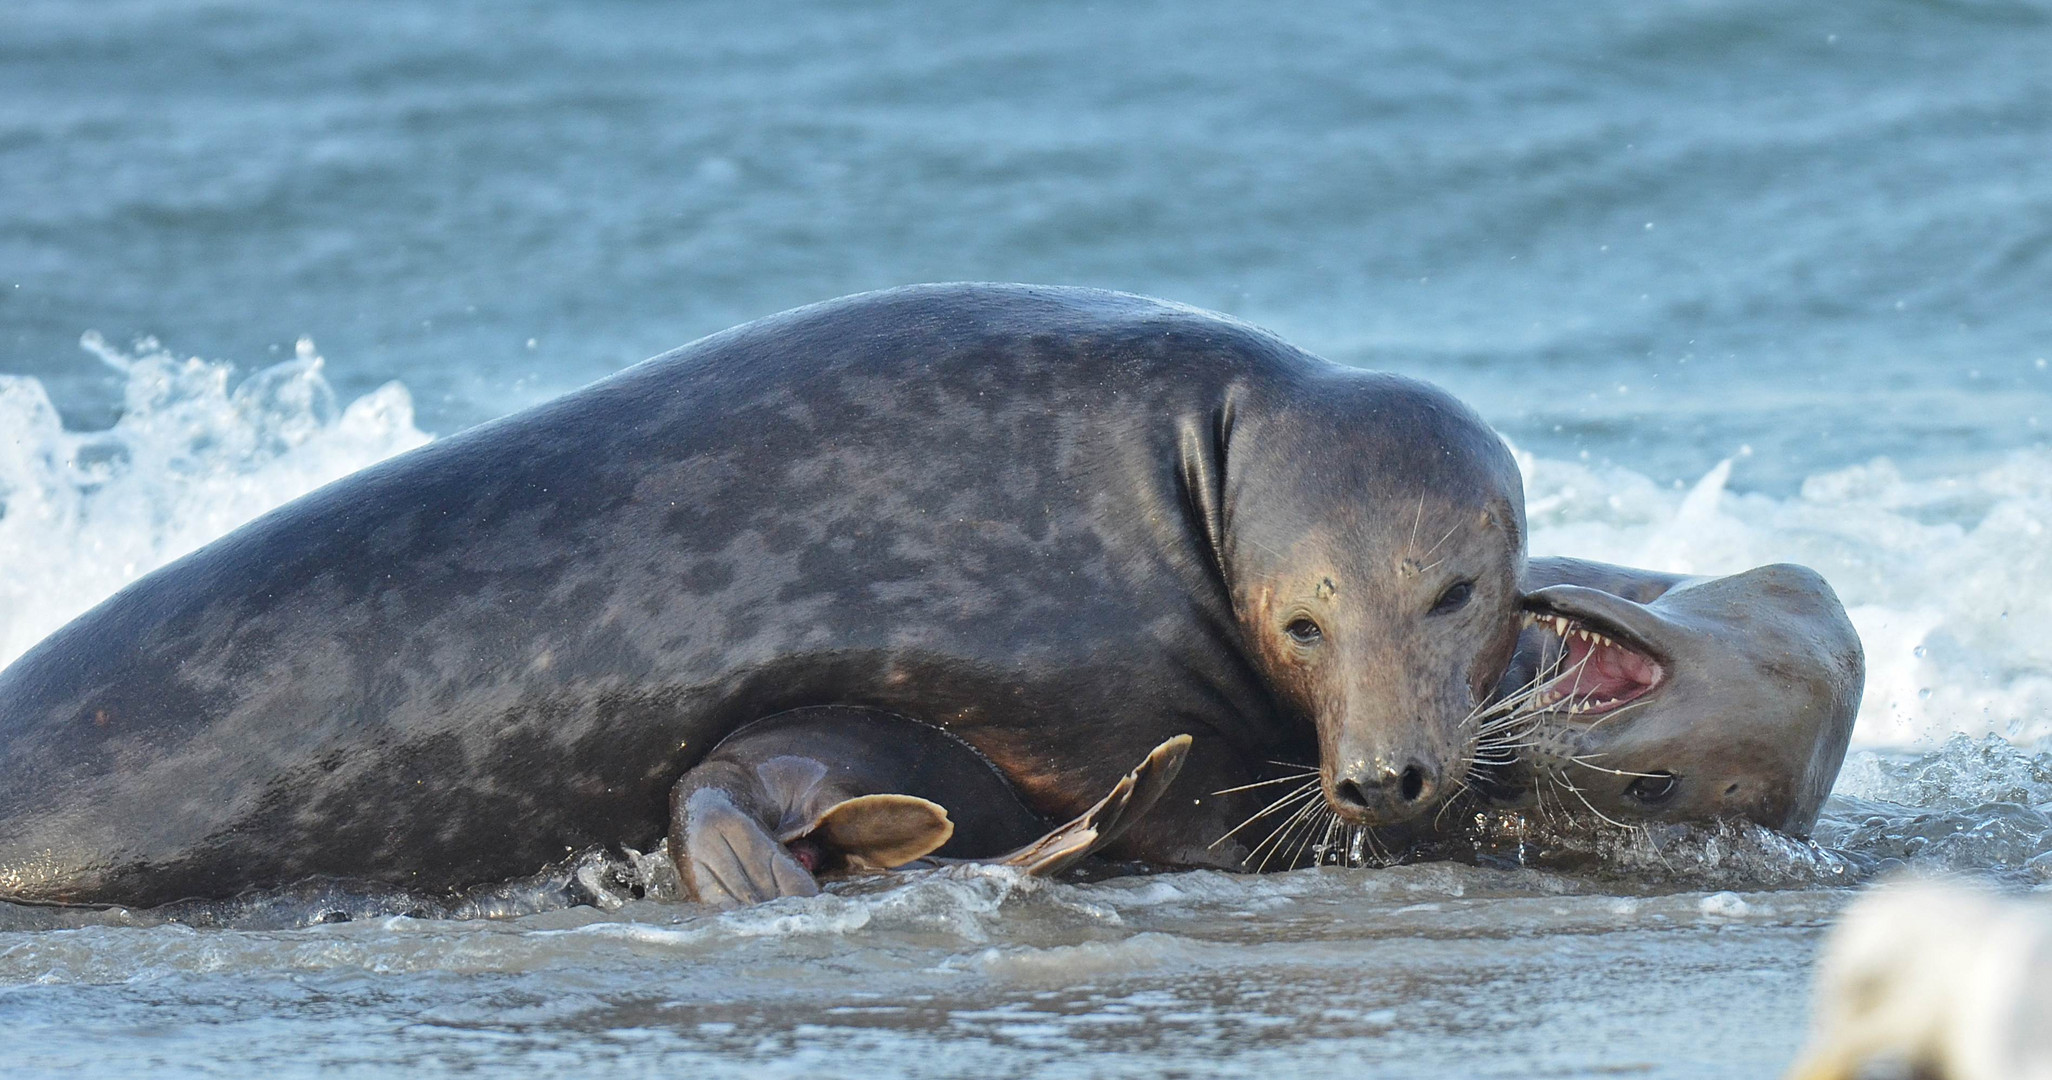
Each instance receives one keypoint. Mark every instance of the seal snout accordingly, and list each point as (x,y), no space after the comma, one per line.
(1384,794)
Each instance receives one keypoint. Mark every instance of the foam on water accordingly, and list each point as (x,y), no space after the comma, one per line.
(1948,579)
(195,453)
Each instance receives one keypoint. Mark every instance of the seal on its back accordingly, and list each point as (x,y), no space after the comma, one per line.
(1654,696)
(1063,525)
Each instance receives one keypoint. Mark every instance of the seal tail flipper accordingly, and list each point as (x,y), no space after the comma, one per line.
(1126,803)
(725,857)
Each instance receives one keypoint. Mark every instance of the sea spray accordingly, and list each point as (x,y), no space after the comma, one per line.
(194,454)
(1948,579)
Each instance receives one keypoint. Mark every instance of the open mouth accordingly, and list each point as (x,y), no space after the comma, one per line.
(1588,671)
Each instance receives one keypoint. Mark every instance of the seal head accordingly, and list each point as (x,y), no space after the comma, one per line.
(1381,601)
(1689,699)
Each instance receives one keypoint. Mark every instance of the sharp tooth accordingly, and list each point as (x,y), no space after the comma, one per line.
(1575,709)
(1528,619)
(1560,626)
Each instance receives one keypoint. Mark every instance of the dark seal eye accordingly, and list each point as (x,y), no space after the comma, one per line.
(1454,598)
(1303,631)
(1653,788)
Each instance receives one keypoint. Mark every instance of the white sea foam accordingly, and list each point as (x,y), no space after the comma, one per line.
(1949,580)
(195,454)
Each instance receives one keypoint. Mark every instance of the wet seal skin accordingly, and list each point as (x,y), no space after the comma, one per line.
(1062,525)
(1662,697)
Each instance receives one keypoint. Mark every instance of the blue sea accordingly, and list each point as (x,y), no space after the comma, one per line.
(1740,281)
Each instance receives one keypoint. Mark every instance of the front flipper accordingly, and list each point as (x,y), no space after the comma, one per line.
(1129,799)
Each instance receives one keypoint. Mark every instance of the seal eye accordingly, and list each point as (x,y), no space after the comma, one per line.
(1454,598)
(1303,631)
(1653,788)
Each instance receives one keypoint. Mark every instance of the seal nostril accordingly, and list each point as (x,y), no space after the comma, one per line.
(1412,784)
(1350,793)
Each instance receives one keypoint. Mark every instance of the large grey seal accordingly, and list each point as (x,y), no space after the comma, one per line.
(1063,525)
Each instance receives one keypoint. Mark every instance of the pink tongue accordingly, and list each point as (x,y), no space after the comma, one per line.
(1608,672)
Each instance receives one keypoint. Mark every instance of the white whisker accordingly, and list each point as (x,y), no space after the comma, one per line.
(1306,790)
(1264,783)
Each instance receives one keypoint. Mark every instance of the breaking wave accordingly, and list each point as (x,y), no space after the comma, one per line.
(195,453)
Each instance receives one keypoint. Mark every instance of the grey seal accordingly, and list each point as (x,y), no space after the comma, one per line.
(1062,525)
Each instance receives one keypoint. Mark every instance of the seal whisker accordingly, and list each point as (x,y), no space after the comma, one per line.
(1278,836)
(1323,847)
(1524,726)
(1509,740)
(1461,788)
(1495,722)
(1265,783)
(1539,791)
(1382,855)
(1615,713)
(1258,848)
(1449,535)
(1645,833)
(1336,833)
(1510,736)
(1300,792)
(1510,712)
(1606,818)
(1511,707)
(1304,832)
(1309,830)
(1585,763)
(1489,712)
(1506,738)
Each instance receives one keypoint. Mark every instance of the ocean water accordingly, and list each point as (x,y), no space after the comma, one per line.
(1741,282)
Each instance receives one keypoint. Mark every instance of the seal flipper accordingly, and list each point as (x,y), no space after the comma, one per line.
(729,858)
(1129,799)
(881,831)
(813,791)
(726,857)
